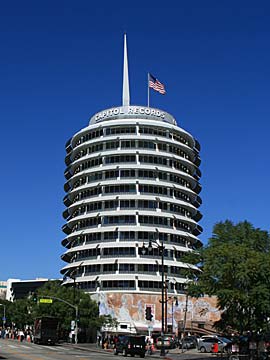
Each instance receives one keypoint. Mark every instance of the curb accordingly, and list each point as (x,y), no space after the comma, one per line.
(98,350)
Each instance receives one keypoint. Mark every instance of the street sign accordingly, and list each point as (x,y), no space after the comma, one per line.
(4,319)
(150,327)
(45,301)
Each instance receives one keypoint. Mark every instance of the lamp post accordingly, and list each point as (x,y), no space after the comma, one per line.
(161,250)
(4,315)
(185,319)
(173,298)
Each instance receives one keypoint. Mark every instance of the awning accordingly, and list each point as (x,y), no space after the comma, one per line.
(140,326)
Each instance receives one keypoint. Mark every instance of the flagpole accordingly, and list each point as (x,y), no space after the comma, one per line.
(148,97)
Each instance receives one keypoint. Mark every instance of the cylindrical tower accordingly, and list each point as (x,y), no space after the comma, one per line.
(132,177)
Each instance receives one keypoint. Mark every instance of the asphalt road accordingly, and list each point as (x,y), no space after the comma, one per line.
(14,350)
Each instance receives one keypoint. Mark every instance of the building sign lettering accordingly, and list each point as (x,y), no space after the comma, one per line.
(129,110)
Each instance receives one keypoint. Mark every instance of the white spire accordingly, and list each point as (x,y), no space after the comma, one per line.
(125,96)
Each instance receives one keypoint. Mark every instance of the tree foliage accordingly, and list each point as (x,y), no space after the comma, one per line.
(236,268)
(23,312)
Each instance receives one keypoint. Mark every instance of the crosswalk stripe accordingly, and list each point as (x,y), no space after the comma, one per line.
(49,347)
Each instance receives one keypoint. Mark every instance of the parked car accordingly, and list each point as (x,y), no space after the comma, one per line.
(130,345)
(205,344)
(169,342)
(188,342)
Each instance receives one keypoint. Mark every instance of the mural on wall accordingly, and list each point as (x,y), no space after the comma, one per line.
(128,307)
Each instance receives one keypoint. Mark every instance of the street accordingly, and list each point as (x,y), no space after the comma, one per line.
(15,350)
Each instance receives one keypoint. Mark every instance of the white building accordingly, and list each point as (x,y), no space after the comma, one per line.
(20,289)
(3,289)
(132,178)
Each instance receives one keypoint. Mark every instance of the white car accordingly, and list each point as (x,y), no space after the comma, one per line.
(205,343)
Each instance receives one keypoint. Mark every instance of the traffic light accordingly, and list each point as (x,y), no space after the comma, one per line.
(35,298)
(148,313)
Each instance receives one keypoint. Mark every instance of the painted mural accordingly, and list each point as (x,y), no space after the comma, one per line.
(130,308)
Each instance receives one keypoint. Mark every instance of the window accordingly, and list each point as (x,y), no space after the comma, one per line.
(110,235)
(116,284)
(127,173)
(116,252)
(146,144)
(112,145)
(123,188)
(127,144)
(147,204)
(111,268)
(121,220)
(120,130)
(127,235)
(147,174)
(120,159)
(147,236)
(127,204)
(112,174)
(126,268)
(111,204)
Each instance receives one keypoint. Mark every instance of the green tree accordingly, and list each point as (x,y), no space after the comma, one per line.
(236,268)
(23,312)
(88,308)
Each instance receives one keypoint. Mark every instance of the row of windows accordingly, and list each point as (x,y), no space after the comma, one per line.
(125,252)
(130,173)
(144,236)
(88,193)
(89,136)
(131,144)
(129,285)
(119,220)
(130,268)
(131,220)
(107,284)
(91,149)
(157,286)
(123,188)
(149,159)
(130,204)
(161,190)
(122,159)
(117,130)
(131,189)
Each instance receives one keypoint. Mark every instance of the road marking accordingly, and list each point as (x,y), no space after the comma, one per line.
(48,347)
(65,348)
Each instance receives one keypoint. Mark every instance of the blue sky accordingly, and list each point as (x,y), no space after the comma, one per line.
(61,62)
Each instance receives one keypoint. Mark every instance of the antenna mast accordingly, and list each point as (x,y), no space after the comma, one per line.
(125,96)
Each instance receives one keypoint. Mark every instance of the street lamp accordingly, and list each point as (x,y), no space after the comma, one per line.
(4,316)
(161,250)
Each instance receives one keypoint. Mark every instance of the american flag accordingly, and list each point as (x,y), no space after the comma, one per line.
(156,85)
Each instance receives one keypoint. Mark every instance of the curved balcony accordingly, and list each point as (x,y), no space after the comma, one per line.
(130,182)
